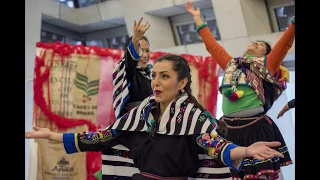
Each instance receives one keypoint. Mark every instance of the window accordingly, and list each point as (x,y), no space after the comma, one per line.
(185,29)
(49,37)
(189,35)
(75,42)
(85,3)
(98,43)
(69,3)
(284,15)
(117,42)
(80,3)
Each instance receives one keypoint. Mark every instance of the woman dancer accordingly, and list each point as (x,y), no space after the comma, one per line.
(250,85)
(132,84)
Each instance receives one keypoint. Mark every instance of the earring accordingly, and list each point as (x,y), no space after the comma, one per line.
(182,91)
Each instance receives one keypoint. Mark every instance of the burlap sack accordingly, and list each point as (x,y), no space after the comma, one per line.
(69,81)
(55,164)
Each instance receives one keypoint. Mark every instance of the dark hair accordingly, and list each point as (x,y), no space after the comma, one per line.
(181,67)
(267,45)
(130,39)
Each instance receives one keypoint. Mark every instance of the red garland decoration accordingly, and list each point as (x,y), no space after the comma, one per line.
(214,82)
(93,159)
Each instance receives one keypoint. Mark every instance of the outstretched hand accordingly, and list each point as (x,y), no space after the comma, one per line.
(283,110)
(139,29)
(38,133)
(191,10)
(261,150)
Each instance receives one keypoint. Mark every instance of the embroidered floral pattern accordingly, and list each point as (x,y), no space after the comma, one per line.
(183,109)
(95,137)
(207,115)
(202,118)
(212,143)
(179,118)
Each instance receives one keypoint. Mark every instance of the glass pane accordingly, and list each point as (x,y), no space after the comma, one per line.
(117,42)
(68,3)
(85,3)
(189,35)
(49,37)
(212,24)
(284,15)
(75,42)
(95,43)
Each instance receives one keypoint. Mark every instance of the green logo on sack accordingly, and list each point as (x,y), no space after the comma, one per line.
(90,88)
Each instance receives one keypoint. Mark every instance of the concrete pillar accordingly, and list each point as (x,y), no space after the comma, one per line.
(230,19)
(159,34)
(256,17)
(32,35)
(241,18)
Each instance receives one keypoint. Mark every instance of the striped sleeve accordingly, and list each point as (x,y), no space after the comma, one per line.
(89,141)
(134,55)
(131,59)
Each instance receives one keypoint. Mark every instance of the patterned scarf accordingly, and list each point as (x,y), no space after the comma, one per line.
(256,74)
(180,118)
(121,85)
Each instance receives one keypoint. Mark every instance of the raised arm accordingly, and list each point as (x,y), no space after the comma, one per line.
(231,154)
(218,53)
(281,48)
(131,58)
(133,50)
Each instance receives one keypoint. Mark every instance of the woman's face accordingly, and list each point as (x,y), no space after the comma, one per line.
(257,49)
(143,62)
(165,83)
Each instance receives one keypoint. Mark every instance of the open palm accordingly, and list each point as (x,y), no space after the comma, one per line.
(263,150)
(38,133)
(191,10)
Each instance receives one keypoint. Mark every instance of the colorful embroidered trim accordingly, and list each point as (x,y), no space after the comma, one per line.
(213,144)
(269,173)
(95,137)
(201,26)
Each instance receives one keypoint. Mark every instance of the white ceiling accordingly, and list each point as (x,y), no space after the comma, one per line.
(179,9)
(110,23)
(115,22)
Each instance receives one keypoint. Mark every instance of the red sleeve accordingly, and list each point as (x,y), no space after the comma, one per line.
(218,53)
